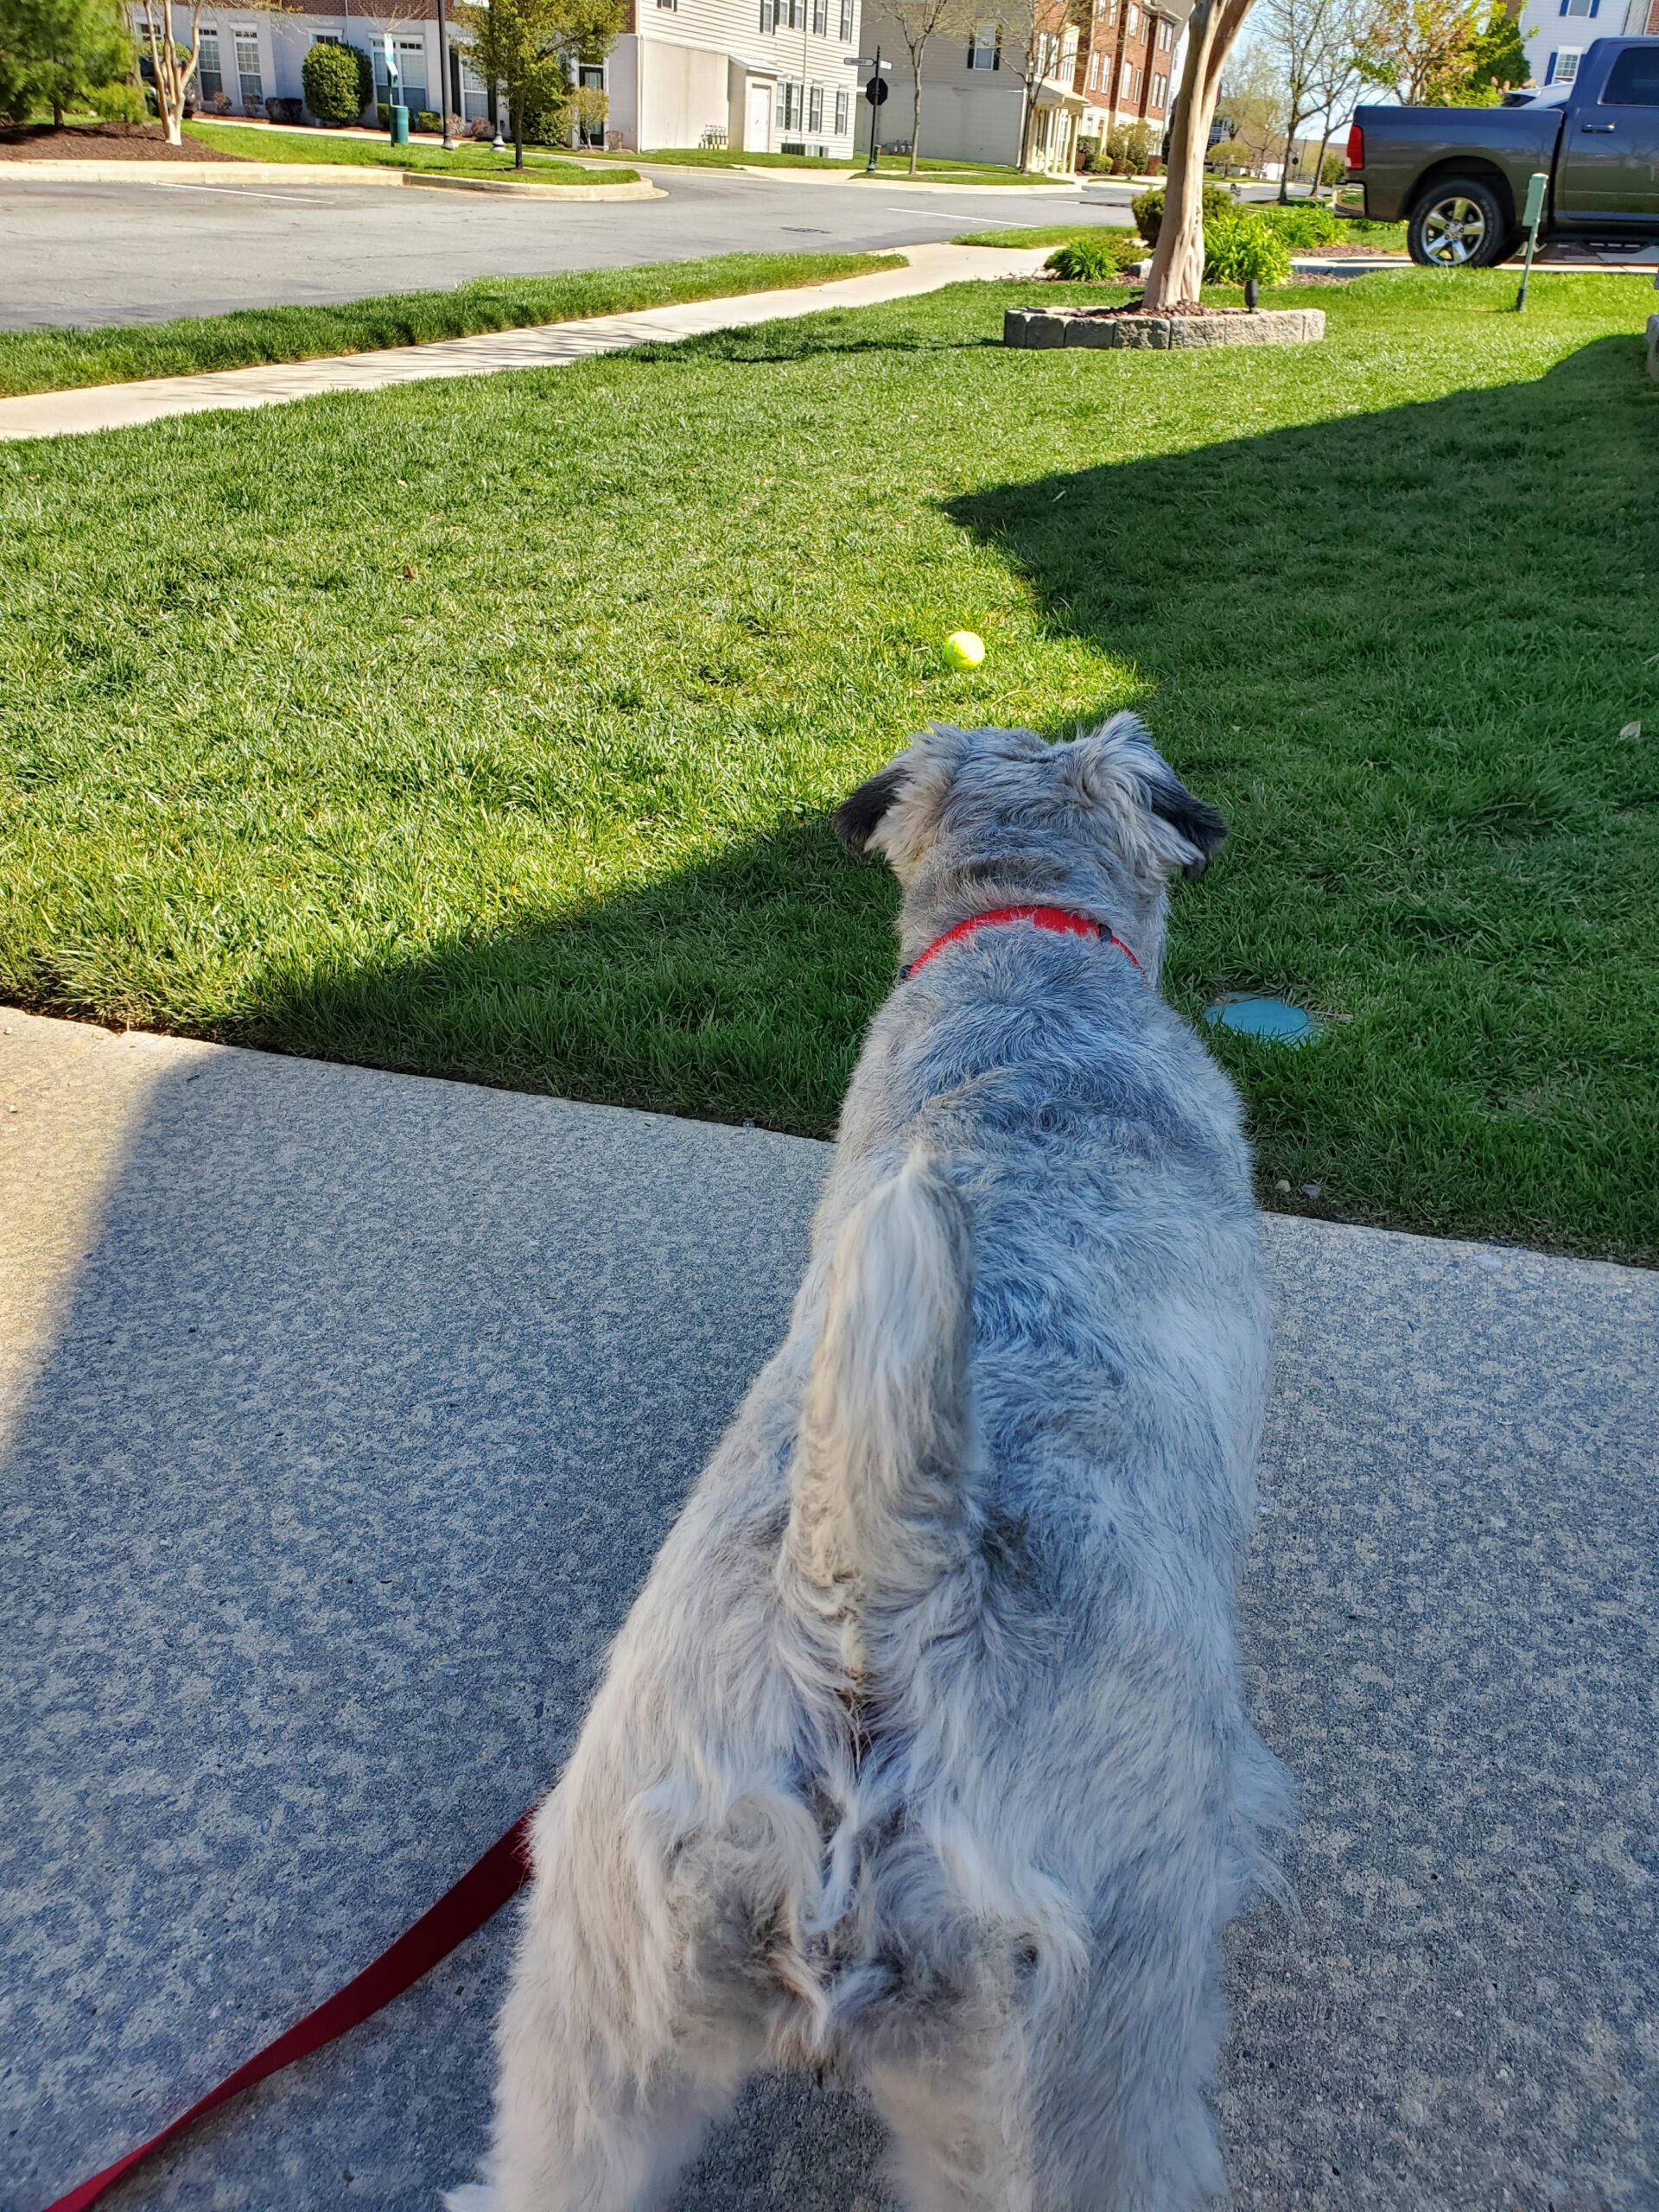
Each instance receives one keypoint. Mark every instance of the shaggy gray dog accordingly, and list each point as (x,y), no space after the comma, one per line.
(921,1755)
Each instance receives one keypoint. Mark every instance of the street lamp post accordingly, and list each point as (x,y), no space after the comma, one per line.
(443,76)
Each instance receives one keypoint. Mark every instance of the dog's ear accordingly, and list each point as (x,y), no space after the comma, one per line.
(860,815)
(1193,819)
(1161,826)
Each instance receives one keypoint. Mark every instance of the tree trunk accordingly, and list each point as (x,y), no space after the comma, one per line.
(1026,110)
(1178,258)
(1319,167)
(916,106)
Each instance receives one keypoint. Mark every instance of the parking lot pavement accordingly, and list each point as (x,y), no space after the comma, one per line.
(340,1415)
(149,250)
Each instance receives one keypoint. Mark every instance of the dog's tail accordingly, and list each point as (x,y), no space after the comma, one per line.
(878,1519)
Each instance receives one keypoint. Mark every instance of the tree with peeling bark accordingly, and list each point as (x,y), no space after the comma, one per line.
(173,61)
(918,21)
(1178,260)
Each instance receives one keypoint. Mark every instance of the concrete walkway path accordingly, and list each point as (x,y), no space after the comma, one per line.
(341,1413)
(545,345)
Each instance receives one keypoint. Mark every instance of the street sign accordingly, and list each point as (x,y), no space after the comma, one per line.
(876,91)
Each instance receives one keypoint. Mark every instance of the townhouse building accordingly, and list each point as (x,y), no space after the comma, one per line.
(973,92)
(761,75)
(1558,31)
(1130,71)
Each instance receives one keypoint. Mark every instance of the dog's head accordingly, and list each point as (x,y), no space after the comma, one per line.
(1103,817)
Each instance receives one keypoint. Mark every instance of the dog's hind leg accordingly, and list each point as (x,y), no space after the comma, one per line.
(960,2138)
(576,2132)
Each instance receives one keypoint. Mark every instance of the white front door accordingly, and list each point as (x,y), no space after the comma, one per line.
(757,131)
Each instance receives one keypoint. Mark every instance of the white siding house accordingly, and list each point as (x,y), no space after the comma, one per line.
(766,76)
(974,95)
(762,75)
(1557,32)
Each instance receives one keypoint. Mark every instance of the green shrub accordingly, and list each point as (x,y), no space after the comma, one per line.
(1133,146)
(337,81)
(118,102)
(1230,154)
(1095,257)
(382,114)
(429,119)
(1240,246)
(1148,209)
(1305,224)
(1090,159)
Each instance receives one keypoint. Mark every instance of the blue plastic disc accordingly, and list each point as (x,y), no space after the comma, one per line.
(1274,1018)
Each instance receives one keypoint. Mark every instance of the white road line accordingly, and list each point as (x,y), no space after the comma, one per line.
(240,192)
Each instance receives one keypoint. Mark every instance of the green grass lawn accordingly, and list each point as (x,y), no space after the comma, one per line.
(491,728)
(477,158)
(1377,238)
(58,360)
(934,172)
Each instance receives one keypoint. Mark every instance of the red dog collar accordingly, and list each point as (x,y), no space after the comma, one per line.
(1044,918)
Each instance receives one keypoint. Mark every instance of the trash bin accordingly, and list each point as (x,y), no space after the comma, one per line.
(400,125)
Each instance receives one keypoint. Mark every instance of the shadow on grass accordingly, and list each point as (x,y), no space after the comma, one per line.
(734,990)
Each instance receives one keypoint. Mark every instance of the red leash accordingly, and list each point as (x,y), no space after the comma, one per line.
(459,1912)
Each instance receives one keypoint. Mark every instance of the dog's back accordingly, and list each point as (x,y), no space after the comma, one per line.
(922,1754)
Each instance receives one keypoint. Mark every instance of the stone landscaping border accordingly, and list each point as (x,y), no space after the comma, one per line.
(1039,327)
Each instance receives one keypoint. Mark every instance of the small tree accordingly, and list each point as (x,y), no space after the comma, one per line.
(528,48)
(173,64)
(1443,53)
(919,21)
(1313,43)
(58,54)
(337,81)
(1032,49)
(1178,261)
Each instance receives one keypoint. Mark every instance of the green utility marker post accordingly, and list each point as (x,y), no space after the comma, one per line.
(1537,186)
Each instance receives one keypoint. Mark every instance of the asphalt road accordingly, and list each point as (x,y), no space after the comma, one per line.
(146,251)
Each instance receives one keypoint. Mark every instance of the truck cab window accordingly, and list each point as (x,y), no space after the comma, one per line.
(1633,80)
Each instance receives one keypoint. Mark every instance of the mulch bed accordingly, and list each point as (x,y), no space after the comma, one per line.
(101,142)
(1140,307)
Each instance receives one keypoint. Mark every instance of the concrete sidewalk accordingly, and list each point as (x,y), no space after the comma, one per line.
(544,346)
(342,1413)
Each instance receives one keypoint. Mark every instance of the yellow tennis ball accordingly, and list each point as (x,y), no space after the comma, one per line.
(963,650)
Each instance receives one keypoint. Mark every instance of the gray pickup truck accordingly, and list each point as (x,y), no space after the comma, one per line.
(1459,175)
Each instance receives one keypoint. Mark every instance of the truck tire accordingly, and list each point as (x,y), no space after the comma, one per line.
(1459,223)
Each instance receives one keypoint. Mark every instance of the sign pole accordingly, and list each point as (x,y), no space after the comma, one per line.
(875,91)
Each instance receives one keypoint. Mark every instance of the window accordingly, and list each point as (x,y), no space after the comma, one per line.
(1580,6)
(846,23)
(1161,91)
(249,82)
(985,48)
(1633,80)
(1166,34)
(1563,66)
(768,15)
(411,74)
(1068,53)
(209,76)
(815,107)
(474,94)
(1132,21)
(669,4)
(843,105)
(789,103)
(820,18)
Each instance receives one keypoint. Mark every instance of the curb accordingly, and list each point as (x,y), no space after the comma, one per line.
(308,174)
(425,181)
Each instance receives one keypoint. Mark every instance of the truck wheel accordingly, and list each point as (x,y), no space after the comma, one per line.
(1459,224)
